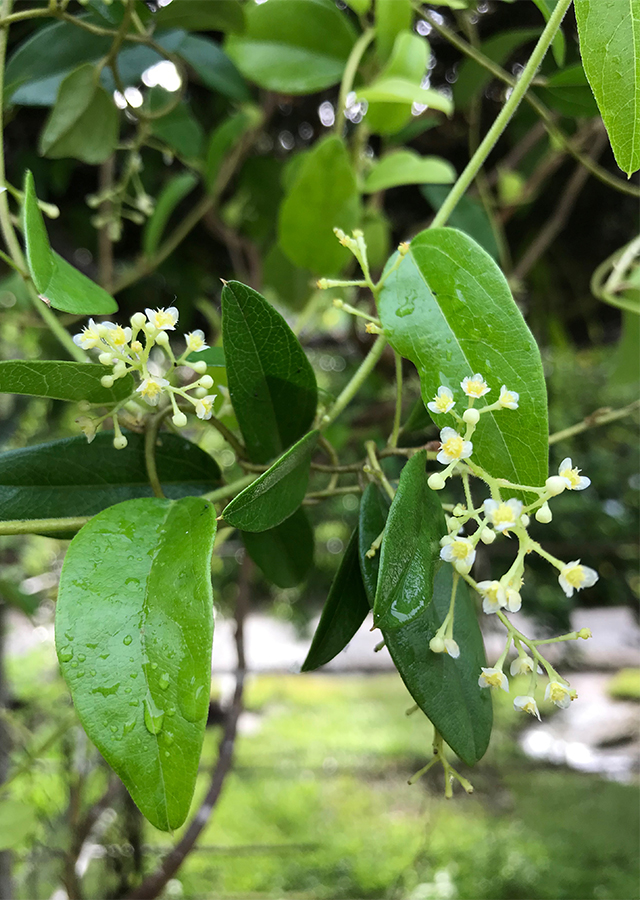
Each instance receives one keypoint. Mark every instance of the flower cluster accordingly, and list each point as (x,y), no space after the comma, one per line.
(501,515)
(127,350)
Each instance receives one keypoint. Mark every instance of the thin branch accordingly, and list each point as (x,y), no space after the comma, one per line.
(599,417)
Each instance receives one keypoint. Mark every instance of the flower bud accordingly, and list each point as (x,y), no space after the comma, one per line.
(107,381)
(84,406)
(471,416)
(120,442)
(585,634)
(544,514)
(525,520)
(106,359)
(458,510)
(162,339)
(487,536)
(136,347)
(138,320)
(436,644)
(436,482)
(179,420)
(555,485)
(200,367)
(206,381)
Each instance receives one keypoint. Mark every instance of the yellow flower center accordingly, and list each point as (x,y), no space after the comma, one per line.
(475,388)
(117,336)
(530,707)
(494,679)
(502,515)
(151,389)
(453,446)
(575,576)
(459,550)
(492,592)
(572,476)
(507,398)
(442,403)
(162,319)
(557,692)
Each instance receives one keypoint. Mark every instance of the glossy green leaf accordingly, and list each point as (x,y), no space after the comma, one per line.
(469,216)
(170,196)
(360,7)
(71,477)
(277,493)
(609,44)
(473,78)
(410,548)
(224,138)
(408,60)
(568,92)
(343,613)
(61,380)
(271,383)
(558,46)
(448,309)
(201,15)
(445,689)
(323,195)
(213,356)
(212,65)
(408,167)
(392,17)
(134,627)
(293,46)
(284,553)
(56,280)
(400,90)
(180,131)
(83,123)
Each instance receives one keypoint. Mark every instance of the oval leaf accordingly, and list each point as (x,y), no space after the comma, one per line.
(448,309)
(201,15)
(271,383)
(284,553)
(134,626)
(400,90)
(407,167)
(343,613)
(61,380)
(409,59)
(71,477)
(277,493)
(392,18)
(410,548)
(211,63)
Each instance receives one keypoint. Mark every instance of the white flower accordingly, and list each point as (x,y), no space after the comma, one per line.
(493,678)
(575,481)
(493,596)
(503,515)
(163,319)
(195,341)
(514,600)
(560,694)
(204,406)
(508,399)
(522,665)
(116,335)
(151,389)
(460,552)
(443,401)
(89,337)
(475,386)
(453,447)
(451,648)
(88,426)
(574,577)
(527,704)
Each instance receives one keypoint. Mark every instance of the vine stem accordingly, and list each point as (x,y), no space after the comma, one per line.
(42,526)
(349,74)
(503,118)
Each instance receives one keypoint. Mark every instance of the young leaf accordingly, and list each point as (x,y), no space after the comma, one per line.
(180,130)
(211,64)
(344,612)
(134,626)
(293,46)
(410,548)
(271,383)
(445,689)
(55,279)
(201,15)
(408,60)
(392,18)
(569,93)
(213,356)
(609,40)
(323,195)
(170,196)
(448,309)
(284,553)
(407,167)
(277,493)
(83,123)
(469,216)
(71,477)
(400,90)
(61,381)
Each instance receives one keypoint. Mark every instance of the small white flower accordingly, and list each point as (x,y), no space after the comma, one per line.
(508,399)
(451,648)
(575,577)
(527,704)
(89,337)
(151,389)
(116,335)
(575,481)
(493,596)
(514,600)
(454,447)
(493,678)
(163,319)
(522,665)
(475,386)
(204,406)
(195,341)
(88,426)
(503,515)
(560,694)
(460,552)
(443,401)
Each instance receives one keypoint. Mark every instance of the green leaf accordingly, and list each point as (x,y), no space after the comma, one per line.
(293,46)
(211,63)
(225,137)
(408,167)
(271,383)
(448,309)
(323,196)
(408,60)
(289,285)
(609,40)
(134,626)
(71,477)
(558,46)
(360,7)
(284,553)
(410,548)
(400,90)
(213,356)
(63,286)
(11,594)
(170,196)
(473,78)
(201,15)
(83,123)
(445,689)
(181,131)
(392,17)
(343,613)
(376,229)
(469,216)
(277,493)
(569,93)
(61,380)
(17,821)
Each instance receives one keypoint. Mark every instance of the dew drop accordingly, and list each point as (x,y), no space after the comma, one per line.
(171,711)
(449,355)
(154,665)
(65,654)
(80,673)
(105,655)
(69,636)
(134,703)
(127,640)
(107,691)
(405,310)
(113,728)
(92,672)
(81,657)
(128,727)
(133,675)
(168,736)
(127,690)
(74,665)
(153,716)
(163,681)
(166,753)
(91,646)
